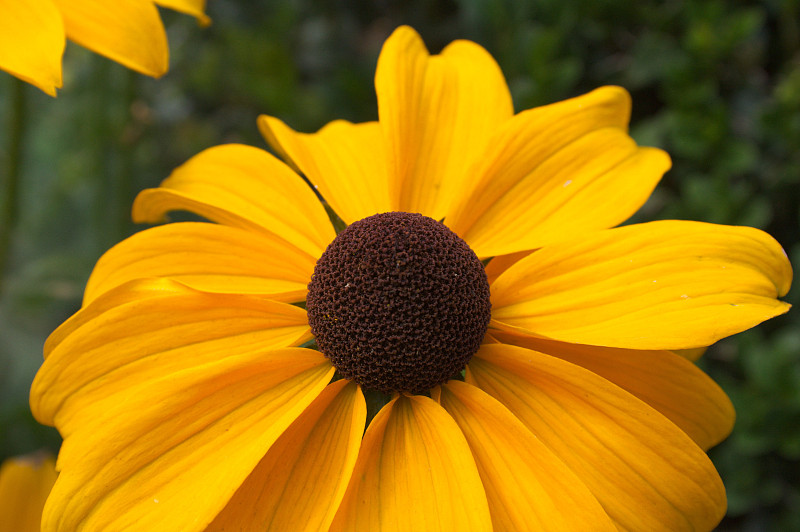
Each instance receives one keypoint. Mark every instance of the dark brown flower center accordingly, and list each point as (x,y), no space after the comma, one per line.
(398,302)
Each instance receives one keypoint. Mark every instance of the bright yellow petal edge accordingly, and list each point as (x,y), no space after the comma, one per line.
(129,32)
(527,486)
(25,483)
(33,34)
(300,483)
(195,8)
(32,42)
(415,471)
(645,472)
(660,285)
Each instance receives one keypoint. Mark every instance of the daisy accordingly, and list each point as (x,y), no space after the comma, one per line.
(33,34)
(264,373)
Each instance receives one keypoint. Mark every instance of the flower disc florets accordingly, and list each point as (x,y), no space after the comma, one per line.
(398,302)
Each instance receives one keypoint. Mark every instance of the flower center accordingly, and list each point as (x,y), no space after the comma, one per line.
(398,303)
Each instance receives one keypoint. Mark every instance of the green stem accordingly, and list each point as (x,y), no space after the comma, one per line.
(125,188)
(98,116)
(10,201)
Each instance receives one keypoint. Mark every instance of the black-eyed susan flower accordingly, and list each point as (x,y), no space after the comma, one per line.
(538,392)
(25,482)
(33,34)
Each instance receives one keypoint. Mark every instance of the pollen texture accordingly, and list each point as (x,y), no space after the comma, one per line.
(398,302)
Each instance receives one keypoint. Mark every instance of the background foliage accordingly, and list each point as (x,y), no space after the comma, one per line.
(716,83)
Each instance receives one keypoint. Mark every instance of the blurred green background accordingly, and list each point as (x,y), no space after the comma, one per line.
(716,84)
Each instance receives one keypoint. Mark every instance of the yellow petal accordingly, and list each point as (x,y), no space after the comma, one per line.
(528,488)
(195,8)
(667,382)
(346,163)
(244,187)
(646,472)
(501,263)
(553,172)
(168,452)
(414,472)
(25,483)
(143,289)
(149,328)
(301,481)
(693,354)
(436,113)
(596,182)
(129,32)
(32,42)
(660,285)
(208,257)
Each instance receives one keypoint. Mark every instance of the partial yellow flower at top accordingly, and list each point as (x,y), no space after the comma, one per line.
(219,375)
(25,482)
(33,34)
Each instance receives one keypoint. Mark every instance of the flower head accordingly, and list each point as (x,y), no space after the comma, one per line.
(33,34)
(403,289)
(541,392)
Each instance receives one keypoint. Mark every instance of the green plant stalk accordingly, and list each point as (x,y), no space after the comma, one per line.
(125,188)
(10,203)
(99,120)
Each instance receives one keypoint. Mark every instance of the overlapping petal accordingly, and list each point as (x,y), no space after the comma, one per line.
(32,41)
(666,381)
(660,285)
(168,452)
(527,486)
(415,472)
(646,472)
(244,187)
(25,482)
(692,354)
(435,112)
(301,481)
(128,31)
(33,34)
(501,263)
(195,8)
(208,257)
(554,172)
(147,329)
(346,162)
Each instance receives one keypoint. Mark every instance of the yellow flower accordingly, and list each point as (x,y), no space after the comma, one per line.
(189,399)
(25,482)
(33,34)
